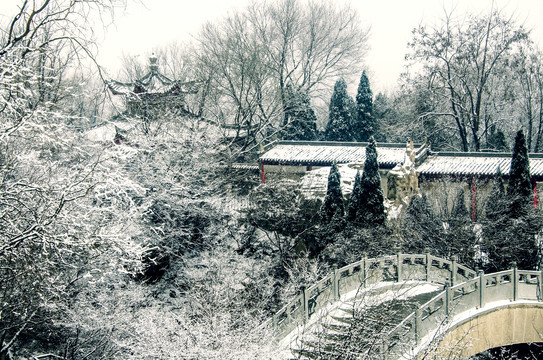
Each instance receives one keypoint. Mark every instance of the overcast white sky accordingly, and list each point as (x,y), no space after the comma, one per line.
(154,23)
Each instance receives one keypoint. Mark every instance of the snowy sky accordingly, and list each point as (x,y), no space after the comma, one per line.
(147,24)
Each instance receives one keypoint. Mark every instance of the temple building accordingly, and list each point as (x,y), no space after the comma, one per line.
(404,170)
(154,93)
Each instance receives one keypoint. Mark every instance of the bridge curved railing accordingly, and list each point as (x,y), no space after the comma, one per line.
(363,273)
(512,284)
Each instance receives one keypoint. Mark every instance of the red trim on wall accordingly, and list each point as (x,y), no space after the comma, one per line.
(262,174)
(535,195)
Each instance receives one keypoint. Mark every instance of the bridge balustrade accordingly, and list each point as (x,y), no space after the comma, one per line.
(475,293)
(362,274)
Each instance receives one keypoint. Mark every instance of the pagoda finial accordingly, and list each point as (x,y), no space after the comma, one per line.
(153,63)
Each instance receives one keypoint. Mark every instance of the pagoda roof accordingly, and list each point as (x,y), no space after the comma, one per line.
(152,83)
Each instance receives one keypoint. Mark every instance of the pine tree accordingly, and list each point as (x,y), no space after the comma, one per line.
(300,119)
(370,208)
(339,127)
(364,125)
(333,201)
(519,188)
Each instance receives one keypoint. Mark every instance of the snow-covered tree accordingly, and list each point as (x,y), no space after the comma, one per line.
(355,200)
(370,209)
(519,188)
(494,245)
(365,125)
(341,114)
(333,201)
(461,237)
(511,224)
(280,212)
(300,119)
(421,228)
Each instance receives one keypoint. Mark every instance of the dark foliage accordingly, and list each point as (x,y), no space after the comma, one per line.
(365,125)
(287,219)
(300,119)
(339,127)
(421,228)
(352,243)
(333,201)
(519,188)
(154,264)
(517,351)
(279,208)
(496,140)
(461,238)
(355,199)
(332,212)
(370,209)
(508,237)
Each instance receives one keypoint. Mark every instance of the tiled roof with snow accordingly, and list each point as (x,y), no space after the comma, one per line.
(474,164)
(323,153)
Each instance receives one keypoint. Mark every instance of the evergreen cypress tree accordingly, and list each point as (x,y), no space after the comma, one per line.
(333,201)
(300,119)
(365,125)
(355,199)
(496,140)
(421,228)
(494,245)
(461,238)
(496,208)
(511,226)
(339,127)
(519,188)
(371,209)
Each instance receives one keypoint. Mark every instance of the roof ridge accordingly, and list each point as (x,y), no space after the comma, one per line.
(342,143)
(482,154)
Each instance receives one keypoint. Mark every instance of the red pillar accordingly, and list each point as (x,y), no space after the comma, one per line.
(535,195)
(262,174)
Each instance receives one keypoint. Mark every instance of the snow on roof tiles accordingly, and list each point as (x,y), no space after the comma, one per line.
(314,183)
(326,153)
(479,164)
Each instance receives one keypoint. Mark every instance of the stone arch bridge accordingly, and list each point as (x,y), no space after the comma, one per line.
(471,312)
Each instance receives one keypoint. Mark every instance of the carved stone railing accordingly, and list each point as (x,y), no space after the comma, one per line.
(311,301)
(512,285)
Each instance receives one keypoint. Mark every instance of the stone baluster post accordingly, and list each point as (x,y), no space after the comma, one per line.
(399,260)
(482,288)
(428,263)
(418,326)
(305,302)
(364,269)
(335,282)
(515,281)
(447,299)
(454,269)
(540,297)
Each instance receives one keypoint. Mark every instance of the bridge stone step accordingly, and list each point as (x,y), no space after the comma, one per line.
(350,323)
(342,319)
